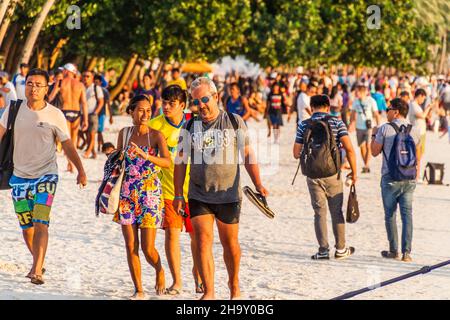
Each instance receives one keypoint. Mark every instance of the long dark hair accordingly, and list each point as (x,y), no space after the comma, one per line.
(134,101)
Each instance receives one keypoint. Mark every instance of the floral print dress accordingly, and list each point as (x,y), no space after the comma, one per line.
(141,200)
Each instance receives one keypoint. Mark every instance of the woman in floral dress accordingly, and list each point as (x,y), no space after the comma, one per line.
(141,203)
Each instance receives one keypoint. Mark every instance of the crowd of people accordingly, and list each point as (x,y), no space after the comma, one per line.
(176,177)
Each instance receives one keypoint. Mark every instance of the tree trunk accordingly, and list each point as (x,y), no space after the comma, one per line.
(9,56)
(34,32)
(124,77)
(3,7)
(56,51)
(5,23)
(92,63)
(134,74)
(443,52)
(12,56)
(160,70)
(10,37)
(101,65)
(40,57)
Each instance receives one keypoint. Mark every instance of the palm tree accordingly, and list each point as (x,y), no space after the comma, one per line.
(34,32)
(436,13)
(3,7)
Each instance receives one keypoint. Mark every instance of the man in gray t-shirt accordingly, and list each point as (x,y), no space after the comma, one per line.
(396,193)
(213,144)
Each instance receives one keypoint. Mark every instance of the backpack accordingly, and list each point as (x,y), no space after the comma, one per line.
(320,157)
(402,160)
(7,146)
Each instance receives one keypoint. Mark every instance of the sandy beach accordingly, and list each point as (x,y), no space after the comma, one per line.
(86,257)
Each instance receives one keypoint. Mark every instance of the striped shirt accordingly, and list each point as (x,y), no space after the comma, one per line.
(338,128)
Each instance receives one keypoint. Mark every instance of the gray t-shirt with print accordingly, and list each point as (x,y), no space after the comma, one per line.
(213,150)
(386,136)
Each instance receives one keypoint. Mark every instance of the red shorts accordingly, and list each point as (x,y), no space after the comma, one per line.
(174,220)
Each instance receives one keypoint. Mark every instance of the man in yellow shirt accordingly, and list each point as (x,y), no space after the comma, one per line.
(174,100)
(177,79)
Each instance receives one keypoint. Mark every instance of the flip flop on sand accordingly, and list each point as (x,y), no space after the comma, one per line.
(199,288)
(29,275)
(37,279)
(172,292)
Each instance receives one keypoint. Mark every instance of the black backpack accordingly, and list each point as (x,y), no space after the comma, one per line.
(320,157)
(7,147)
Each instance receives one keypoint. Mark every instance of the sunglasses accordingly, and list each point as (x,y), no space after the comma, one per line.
(205,99)
(391,109)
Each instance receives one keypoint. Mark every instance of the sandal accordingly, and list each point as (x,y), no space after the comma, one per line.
(172,292)
(37,279)
(30,275)
(199,288)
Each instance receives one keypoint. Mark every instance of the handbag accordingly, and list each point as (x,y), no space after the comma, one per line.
(114,172)
(7,147)
(352,206)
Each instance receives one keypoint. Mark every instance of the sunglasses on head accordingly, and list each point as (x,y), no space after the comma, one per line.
(205,99)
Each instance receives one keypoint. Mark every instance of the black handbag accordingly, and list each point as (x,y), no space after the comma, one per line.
(7,147)
(352,206)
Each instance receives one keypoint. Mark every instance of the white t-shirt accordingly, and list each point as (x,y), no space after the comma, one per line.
(90,97)
(303,102)
(414,111)
(35,134)
(11,95)
(370,106)
(20,86)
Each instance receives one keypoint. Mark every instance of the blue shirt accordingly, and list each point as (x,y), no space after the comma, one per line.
(380,100)
(337,126)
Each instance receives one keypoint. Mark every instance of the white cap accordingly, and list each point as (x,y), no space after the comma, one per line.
(70,67)
(273,75)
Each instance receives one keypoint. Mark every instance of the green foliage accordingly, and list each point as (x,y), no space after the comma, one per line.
(269,32)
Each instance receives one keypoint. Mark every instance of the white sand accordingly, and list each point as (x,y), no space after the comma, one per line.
(86,257)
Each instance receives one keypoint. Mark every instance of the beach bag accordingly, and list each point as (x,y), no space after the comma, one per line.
(434,173)
(352,206)
(109,192)
(7,147)
(320,157)
(402,161)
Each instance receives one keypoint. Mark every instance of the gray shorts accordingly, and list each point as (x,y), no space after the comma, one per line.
(93,122)
(363,136)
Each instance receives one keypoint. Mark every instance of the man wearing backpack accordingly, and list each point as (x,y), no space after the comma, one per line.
(318,144)
(399,143)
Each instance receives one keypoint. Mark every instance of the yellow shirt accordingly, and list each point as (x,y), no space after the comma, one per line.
(179,82)
(171,133)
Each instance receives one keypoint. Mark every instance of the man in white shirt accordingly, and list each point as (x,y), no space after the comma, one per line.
(303,107)
(95,101)
(417,116)
(19,81)
(35,177)
(364,111)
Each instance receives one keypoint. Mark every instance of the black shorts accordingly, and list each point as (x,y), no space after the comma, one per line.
(228,213)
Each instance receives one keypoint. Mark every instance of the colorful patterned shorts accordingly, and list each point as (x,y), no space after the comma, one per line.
(33,199)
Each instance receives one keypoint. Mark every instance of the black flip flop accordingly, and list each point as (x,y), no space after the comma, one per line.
(259,201)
